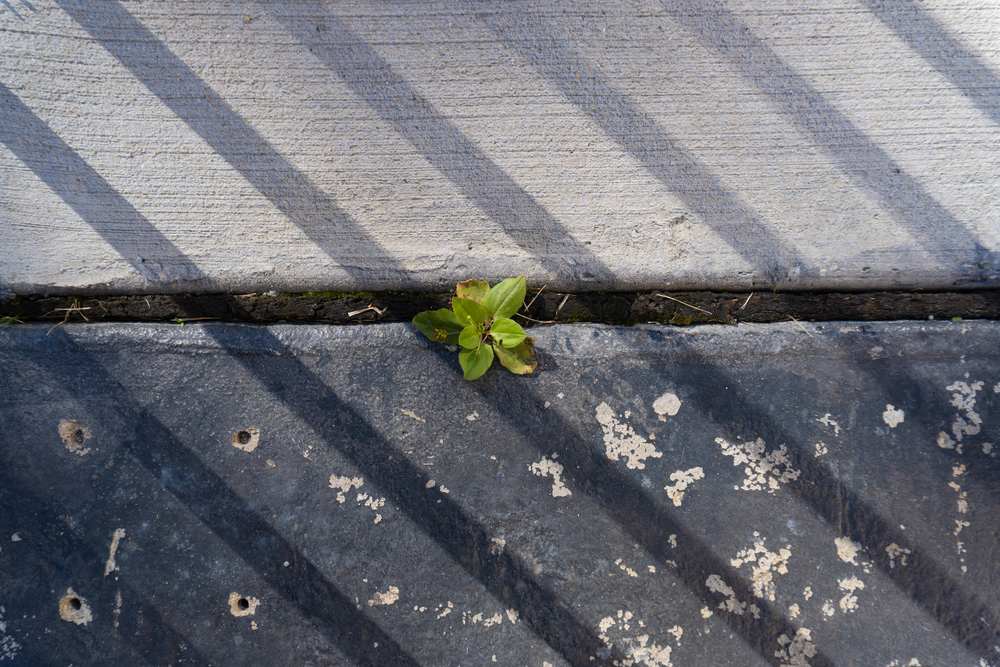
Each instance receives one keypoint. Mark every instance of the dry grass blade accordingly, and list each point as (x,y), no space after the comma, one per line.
(685,304)
(800,326)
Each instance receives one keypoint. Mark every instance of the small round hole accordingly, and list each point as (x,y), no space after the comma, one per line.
(75,603)
(243,437)
(243,603)
(78,436)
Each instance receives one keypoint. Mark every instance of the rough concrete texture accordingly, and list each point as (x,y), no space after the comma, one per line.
(248,146)
(309,495)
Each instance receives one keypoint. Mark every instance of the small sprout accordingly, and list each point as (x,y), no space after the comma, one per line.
(479,321)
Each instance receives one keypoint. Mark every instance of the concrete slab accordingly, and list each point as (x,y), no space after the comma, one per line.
(310,495)
(300,146)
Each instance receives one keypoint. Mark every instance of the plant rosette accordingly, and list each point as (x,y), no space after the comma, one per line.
(479,321)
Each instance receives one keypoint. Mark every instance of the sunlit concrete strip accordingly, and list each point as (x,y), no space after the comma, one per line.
(682,146)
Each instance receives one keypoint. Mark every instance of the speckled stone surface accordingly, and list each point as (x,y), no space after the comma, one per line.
(316,495)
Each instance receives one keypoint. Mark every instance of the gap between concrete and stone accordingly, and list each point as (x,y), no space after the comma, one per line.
(678,308)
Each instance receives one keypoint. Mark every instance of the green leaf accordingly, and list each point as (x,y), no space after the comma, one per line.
(519,360)
(507,332)
(470,337)
(473,289)
(439,325)
(468,312)
(475,362)
(506,298)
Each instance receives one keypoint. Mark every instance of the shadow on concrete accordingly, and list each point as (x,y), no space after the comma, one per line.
(645,521)
(230,518)
(470,544)
(235,140)
(965,70)
(621,118)
(442,144)
(859,158)
(76,556)
(92,198)
(924,580)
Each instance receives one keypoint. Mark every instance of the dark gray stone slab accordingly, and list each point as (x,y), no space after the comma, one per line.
(311,495)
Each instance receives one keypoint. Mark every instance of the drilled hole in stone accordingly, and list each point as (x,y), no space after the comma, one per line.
(243,603)
(78,437)
(243,437)
(75,603)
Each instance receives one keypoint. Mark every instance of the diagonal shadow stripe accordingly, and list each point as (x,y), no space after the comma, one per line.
(858,157)
(621,118)
(924,580)
(645,521)
(236,141)
(964,69)
(442,144)
(980,465)
(92,198)
(229,517)
(138,623)
(443,520)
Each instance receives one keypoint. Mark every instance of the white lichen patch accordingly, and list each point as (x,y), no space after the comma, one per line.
(626,569)
(678,632)
(763,469)
(821,449)
(74,608)
(892,417)
(345,484)
(683,479)
(828,609)
(496,545)
(110,566)
(849,603)
(74,435)
(847,550)
(793,611)
(546,468)
(829,422)
(8,645)
(447,609)
(730,604)
(895,551)
(372,502)
(242,606)
(808,592)
(763,564)
(795,652)
(512,616)
(413,415)
(968,421)
(706,612)
(621,441)
(389,597)
(639,650)
(667,404)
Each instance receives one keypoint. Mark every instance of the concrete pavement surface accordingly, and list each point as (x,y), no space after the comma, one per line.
(301,146)
(814,494)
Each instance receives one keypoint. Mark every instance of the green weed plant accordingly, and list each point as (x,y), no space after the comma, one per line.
(479,321)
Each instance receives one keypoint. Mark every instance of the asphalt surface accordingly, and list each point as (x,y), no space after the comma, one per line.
(784,494)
